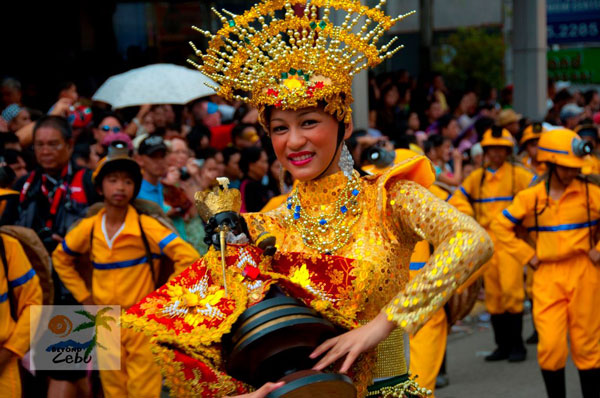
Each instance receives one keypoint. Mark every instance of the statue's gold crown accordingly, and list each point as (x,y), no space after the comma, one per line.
(270,56)
(220,199)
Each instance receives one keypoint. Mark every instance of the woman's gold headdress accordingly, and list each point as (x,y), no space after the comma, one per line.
(292,61)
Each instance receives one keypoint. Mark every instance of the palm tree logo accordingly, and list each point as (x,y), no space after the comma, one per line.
(100,320)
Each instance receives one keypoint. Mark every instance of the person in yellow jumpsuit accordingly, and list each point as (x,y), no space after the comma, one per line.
(483,195)
(19,290)
(528,143)
(589,133)
(428,345)
(563,212)
(119,241)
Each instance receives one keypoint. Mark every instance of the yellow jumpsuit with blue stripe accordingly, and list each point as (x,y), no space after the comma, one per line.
(14,335)
(121,276)
(566,286)
(484,198)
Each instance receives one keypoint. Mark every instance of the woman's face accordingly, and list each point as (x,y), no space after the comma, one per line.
(107,126)
(413,121)
(260,168)
(391,97)
(452,130)
(180,153)
(435,111)
(444,151)
(305,141)
(209,172)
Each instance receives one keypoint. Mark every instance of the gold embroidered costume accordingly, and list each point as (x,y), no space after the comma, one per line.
(344,243)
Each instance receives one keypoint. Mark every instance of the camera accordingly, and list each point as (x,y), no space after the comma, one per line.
(379,157)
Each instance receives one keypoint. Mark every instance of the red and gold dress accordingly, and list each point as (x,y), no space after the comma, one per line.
(189,315)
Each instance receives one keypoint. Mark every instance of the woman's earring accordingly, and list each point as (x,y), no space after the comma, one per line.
(346,162)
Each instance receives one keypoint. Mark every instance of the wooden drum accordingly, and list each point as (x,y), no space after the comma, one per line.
(272,341)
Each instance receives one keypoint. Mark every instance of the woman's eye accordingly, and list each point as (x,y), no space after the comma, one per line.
(278,129)
(309,122)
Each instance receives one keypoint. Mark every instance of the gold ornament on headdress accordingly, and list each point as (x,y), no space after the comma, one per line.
(218,200)
(269,56)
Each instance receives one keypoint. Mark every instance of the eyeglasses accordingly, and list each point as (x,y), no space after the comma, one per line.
(107,128)
(54,146)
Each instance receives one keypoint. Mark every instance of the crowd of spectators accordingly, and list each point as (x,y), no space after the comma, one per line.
(182,149)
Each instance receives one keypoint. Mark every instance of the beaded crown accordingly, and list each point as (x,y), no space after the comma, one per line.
(220,199)
(271,56)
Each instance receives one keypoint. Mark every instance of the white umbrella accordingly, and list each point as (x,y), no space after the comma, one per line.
(154,84)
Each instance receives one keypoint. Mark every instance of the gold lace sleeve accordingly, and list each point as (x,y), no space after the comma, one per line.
(461,247)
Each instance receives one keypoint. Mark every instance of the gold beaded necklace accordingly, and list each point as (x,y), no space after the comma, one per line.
(326,233)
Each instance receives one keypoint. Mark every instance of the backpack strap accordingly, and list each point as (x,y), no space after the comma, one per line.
(148,251)
(11,300)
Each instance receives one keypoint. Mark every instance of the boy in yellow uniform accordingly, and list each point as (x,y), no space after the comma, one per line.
(483,195)
(119,241)
(563,212)
(19,289)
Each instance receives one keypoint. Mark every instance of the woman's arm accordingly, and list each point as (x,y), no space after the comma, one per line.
(461,247)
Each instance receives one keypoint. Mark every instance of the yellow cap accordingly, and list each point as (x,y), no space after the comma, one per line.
(562,147)
(532,132)
(497,137)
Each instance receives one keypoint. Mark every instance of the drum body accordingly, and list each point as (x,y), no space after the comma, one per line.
(272,341)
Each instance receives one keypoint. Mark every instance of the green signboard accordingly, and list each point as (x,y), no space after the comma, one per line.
(577,65)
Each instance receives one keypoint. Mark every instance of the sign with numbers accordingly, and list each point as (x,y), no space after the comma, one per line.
(573,21)
(577,65)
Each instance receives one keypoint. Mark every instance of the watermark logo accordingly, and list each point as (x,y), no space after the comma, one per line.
(74,337)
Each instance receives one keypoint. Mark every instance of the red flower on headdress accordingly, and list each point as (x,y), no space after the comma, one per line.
(272,92)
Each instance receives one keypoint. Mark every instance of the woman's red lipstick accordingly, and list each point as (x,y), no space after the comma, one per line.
(301,158)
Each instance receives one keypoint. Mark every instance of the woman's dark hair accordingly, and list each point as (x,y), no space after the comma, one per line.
(434,141)
(207,153)
(444,121)
(81,151)
(8,138)
(228,153)
(56,122)
(482,125)
(249,155)
(99,116)
(238,130)
(195,136)
(7,175)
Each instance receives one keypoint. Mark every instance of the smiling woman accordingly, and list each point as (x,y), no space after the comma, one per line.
(347,239)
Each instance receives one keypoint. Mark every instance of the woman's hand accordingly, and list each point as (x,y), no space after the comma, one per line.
(261,392)
(353,343)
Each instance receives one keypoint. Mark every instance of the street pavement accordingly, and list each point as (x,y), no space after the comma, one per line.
(470,376)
